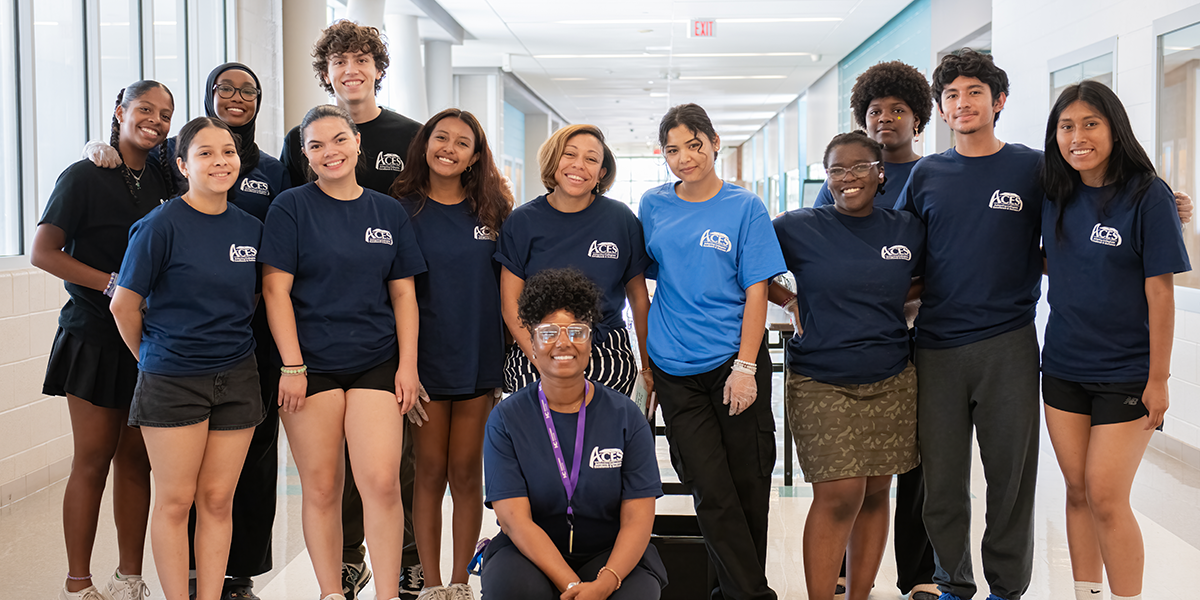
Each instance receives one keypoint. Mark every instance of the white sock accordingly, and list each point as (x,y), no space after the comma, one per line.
(1088,590)
(1116,597)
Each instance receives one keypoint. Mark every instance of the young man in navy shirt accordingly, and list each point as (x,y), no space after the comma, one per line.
(352,74)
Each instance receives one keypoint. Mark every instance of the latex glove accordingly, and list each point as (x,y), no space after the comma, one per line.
(497,396)
(417,415)
(1183,203)
(102,155)
(740,391)
(648,381)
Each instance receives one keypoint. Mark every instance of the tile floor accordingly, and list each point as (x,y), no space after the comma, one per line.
(1166,496)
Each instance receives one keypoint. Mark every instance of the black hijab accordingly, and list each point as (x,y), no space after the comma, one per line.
(247,149)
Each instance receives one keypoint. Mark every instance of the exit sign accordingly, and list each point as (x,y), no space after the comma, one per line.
(703,28)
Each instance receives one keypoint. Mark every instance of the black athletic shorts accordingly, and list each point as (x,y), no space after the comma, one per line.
(1107,403)
(379,377)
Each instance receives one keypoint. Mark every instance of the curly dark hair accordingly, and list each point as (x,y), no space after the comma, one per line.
(347,36)
(969,63)
(550,290)
(856,137)
(892,79)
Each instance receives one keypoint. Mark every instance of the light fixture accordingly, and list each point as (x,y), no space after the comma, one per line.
(736,77)
(683,55)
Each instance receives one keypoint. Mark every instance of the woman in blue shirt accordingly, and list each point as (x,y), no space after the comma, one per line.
(571,468)
(457,201)
(1113,243)
(851,390)
(575,225)
(714,252)
(191,261)
(339,262)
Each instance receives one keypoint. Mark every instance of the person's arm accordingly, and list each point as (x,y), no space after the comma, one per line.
(47,254)
(516,520)
(639,301)
(404,303)
(741,389)
(126,308)
(511,287)
(781,296)
(1160,298)
(637,521)
(101,154)
(281,317)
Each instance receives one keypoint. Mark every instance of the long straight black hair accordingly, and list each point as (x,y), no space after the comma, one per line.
(1128,169)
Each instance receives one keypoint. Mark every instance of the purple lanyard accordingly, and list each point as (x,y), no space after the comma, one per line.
(571,479)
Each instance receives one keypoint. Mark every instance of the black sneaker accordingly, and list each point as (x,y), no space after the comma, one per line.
(354,579)
(412,580)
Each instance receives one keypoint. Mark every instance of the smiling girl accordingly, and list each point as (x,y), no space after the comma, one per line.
(191,263)
(338,282)
(457,201)
(1113,243)
(82,239)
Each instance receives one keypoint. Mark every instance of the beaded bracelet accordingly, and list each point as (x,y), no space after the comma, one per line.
(605,568)
(791,302)
(742,366)
(84,578)
(294,370)
(111,288)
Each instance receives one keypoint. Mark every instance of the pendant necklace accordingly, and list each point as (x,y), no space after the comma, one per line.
(137,179)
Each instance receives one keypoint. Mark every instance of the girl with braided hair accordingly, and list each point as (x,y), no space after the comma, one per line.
(81,238)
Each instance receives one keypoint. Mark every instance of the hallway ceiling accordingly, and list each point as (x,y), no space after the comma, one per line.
(621,63)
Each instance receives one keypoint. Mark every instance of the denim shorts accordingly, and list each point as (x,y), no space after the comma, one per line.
(228,400)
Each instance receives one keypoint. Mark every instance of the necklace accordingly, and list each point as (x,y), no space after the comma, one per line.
(136,178)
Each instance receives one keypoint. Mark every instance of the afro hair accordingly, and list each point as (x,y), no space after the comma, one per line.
(892,79)
(551,290)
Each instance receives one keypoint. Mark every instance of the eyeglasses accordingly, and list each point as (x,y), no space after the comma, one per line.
(858,170)
(547,333)
(249,94)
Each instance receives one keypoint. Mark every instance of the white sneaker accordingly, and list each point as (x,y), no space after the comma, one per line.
(88,593)
(437,592)
(126,587)
(460,591)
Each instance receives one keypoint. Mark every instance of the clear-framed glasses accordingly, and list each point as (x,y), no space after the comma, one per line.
(837,173)
(225,91)
(547,333)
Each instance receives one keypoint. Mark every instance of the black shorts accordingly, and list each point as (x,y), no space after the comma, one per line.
(1107,403)
(460,397)
(102,375)
(228,400)
(379,377)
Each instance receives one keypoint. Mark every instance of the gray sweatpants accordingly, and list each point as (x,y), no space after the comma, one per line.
(991,385)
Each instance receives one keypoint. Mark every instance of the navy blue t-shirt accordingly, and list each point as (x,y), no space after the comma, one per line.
(619,464)
(983,263)
(1099,326)
(604,241)
(252,192)
(896,174)
(342,253)
(461,347)
(852,278)
(198,275)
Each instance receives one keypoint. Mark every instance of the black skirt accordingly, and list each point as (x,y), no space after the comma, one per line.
(104,376)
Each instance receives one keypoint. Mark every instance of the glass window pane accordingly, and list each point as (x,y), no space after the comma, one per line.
(120,54)
(10,191)
(1178,109)
(59,72)
(170,68)
(207,19)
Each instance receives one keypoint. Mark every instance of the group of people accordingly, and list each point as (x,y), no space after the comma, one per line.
(392,267)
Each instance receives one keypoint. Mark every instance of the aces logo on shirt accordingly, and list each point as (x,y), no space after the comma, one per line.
(379,236)
(240,254)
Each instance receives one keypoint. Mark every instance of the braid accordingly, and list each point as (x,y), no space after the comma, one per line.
(115,142)
(164,169)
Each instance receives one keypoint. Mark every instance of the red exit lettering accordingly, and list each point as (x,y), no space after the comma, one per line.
(703,28)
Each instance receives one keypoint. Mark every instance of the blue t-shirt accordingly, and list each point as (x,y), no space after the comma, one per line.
(619,464)
(461,347)
(852,278)
(252,192)
(604,241)
(1099,326)
(983,263)
(896,174)
(342,253)
(705,256)
(198,275)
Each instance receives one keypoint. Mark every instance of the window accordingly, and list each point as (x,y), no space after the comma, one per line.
(635,175)
(1178,118)
(1097,69)
(10,170)
(59,87)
